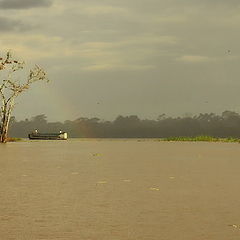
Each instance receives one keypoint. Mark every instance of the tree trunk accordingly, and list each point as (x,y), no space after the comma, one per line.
(4,132)
(5,124)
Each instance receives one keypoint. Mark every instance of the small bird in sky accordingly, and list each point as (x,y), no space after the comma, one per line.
(229,51)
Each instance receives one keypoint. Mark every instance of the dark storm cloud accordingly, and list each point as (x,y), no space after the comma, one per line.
(7,25)
(23,4)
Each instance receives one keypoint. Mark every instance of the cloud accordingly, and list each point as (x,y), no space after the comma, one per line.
(24,4)
(7,24)
(194,59)
(102,10)
(24,46)
(123,67)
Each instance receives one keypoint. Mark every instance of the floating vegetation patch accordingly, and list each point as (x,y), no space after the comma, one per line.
(200,139)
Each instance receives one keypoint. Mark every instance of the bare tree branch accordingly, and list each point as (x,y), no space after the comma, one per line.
(10,88)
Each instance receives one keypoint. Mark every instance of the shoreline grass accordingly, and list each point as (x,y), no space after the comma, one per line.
(12,139)
(200,139)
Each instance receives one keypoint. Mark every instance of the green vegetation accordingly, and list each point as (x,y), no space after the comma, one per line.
(201,139)
(224,127)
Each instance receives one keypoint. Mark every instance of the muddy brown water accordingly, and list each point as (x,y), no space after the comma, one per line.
(119,190)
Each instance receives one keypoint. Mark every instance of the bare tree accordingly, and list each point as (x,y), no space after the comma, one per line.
(11,87)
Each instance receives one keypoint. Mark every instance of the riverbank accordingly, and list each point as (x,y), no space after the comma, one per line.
(168,139)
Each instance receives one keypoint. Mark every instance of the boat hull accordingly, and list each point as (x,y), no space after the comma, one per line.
(47,136)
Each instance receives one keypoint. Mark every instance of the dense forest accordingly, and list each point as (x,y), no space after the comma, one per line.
(225,125)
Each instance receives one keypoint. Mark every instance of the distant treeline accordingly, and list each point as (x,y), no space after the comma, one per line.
(225,125)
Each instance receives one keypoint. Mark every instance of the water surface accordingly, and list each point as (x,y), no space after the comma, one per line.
(119,189)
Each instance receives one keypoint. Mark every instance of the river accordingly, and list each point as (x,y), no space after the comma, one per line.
(96,189)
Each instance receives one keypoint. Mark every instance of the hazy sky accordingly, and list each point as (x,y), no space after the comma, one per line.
(111,57)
